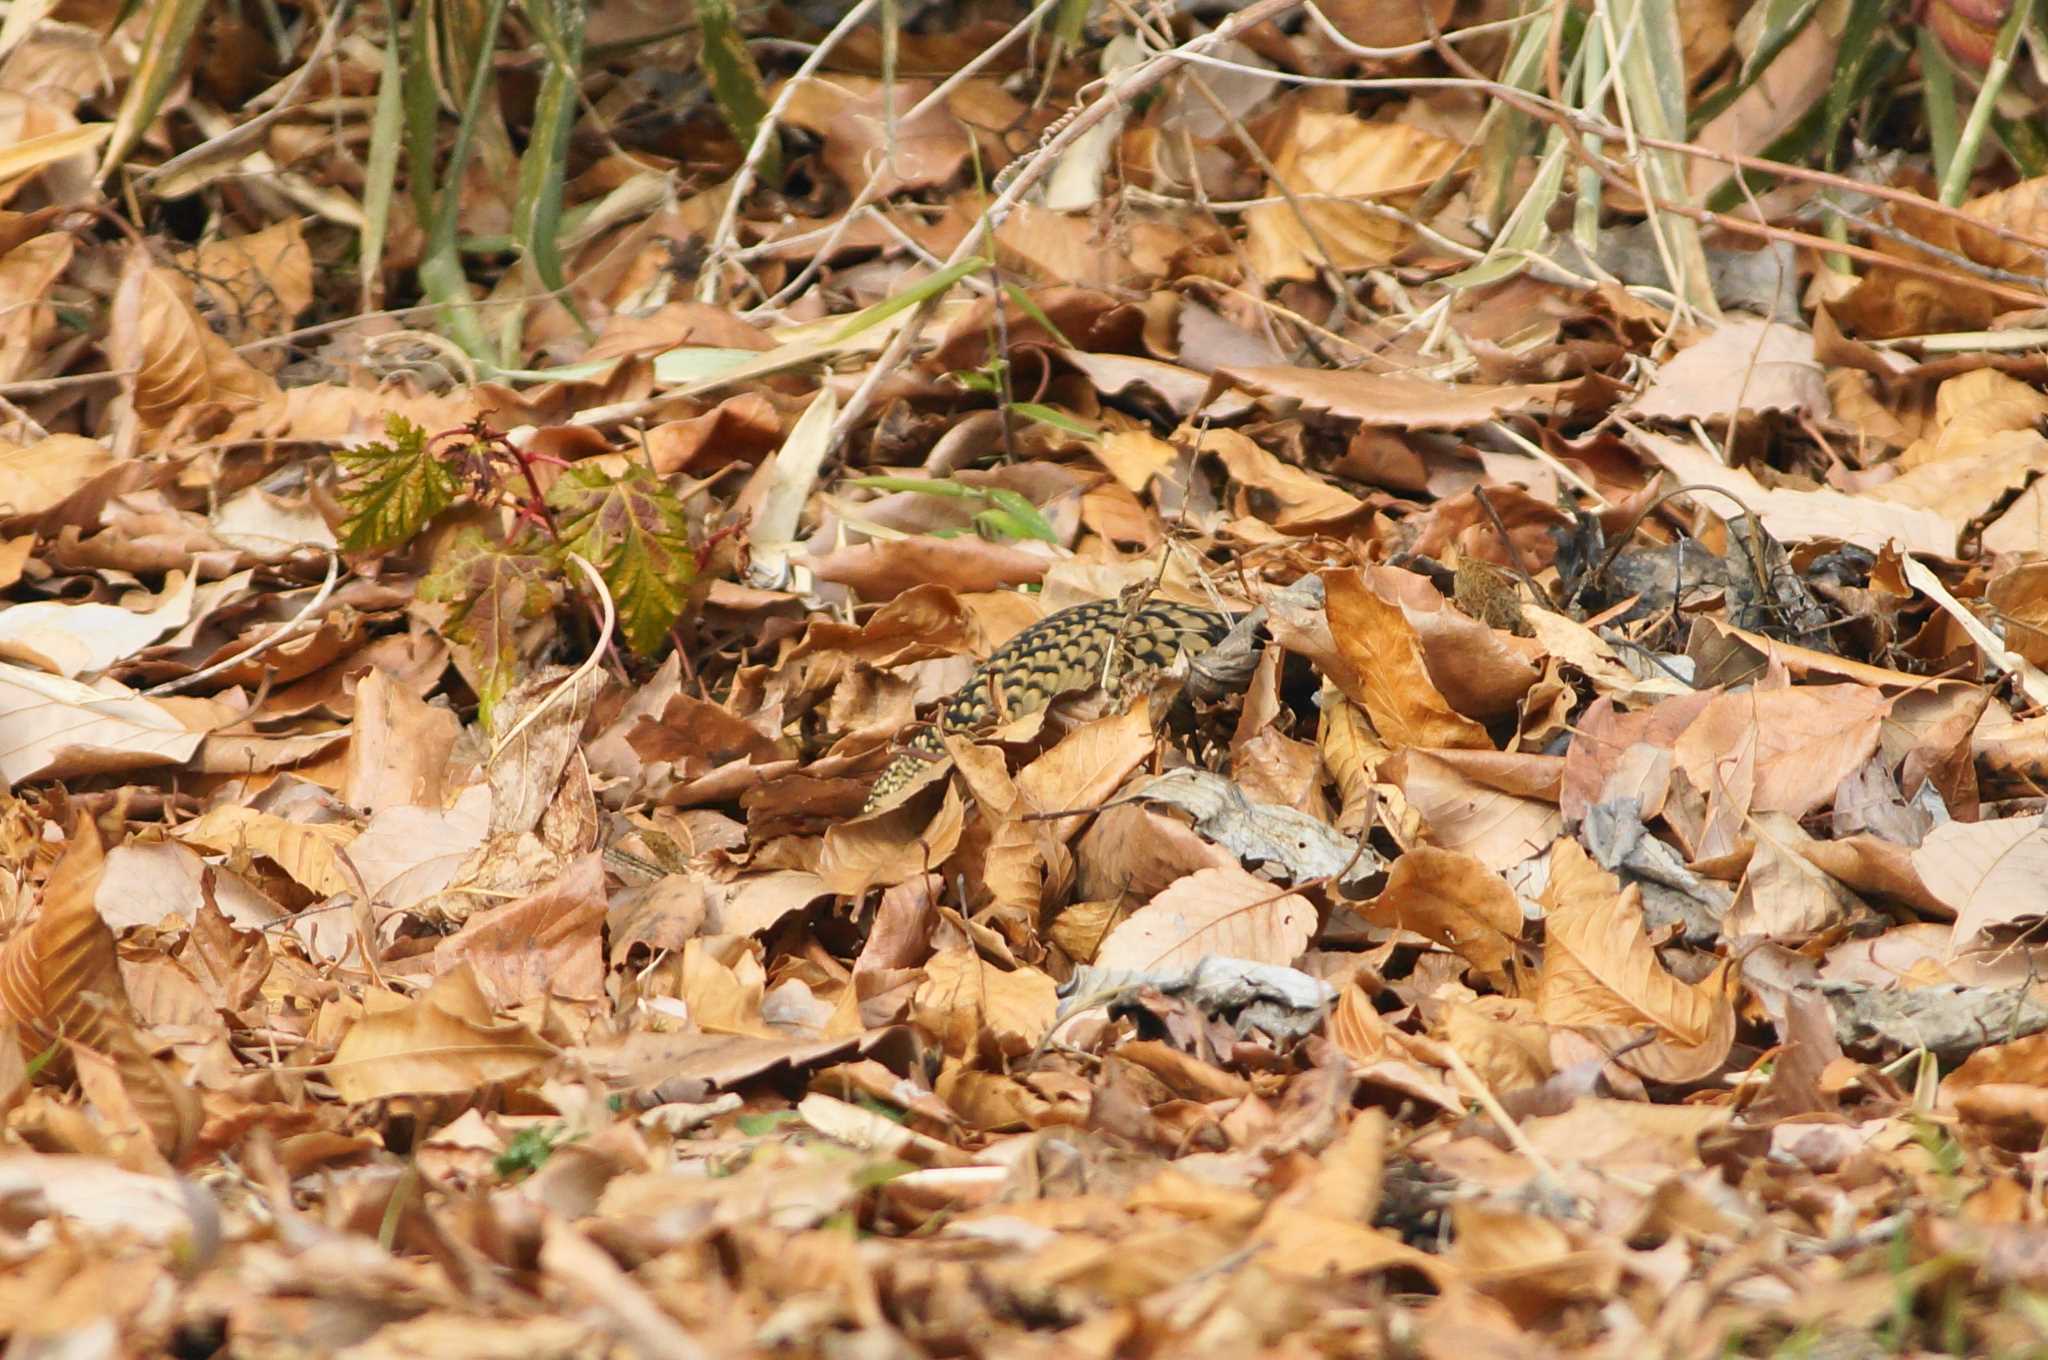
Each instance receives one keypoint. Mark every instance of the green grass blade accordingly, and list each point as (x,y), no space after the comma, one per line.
(1508,131)
(1956,183)
(928,287)
(537,213)
(735,80)
(442,277)
(1782,21)
(380,171)
(171,25)
(1027,305)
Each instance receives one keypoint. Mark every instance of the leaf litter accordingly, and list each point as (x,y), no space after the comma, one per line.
(482,499)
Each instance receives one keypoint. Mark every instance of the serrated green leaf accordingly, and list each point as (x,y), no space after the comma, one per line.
(494,592)
(396,486)
(632,529)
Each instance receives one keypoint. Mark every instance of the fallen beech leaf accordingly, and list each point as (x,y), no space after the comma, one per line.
(53,728)
(443,1041)
(1529,1260)
(1498,829)
(1393,400)
(39,476)
(177,360)
(1599,970)
(1339,155)
(60,982)
(1805,741)
(1747,364)
(888,848)
(1456,901)
(973,1007)
(1993,875)
(1387,675)
(1798,516)
(1784,893)
(1223,911)
(1302,500)
(309,852)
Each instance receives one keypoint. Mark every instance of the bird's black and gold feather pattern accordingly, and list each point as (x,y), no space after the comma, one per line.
(1102,643)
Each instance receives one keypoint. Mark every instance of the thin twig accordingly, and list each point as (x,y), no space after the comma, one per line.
(743,178)
(1011,188)
(235,138)
(290,628)
(574,678)
(870,191)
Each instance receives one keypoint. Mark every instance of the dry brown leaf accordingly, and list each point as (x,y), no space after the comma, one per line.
(1459,813)
(1804,741)
(1744,365)
(549,944)
(1327,156)
(973,1007)
(1302,501)
(1785,892)
(1797,516)
(882,571)
(1224,912)
(1482,672)
(400,747)
(1386,673)
(309,852)
(1393,400)
(1990,874)
(1503,1043)
(257,284)
(1456,901)
(444,1041)
(61,986)
(1528,1261)
(39,476)
(180,365)
(889,848)
(1599,970)
(850,114)
(27,273)
(1963,486)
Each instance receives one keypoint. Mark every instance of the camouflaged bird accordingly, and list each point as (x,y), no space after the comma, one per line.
(1103,643)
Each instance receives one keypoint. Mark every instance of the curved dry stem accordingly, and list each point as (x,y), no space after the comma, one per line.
(869,191)
(743,178)
(1022,175)
(575,677)
(285,631)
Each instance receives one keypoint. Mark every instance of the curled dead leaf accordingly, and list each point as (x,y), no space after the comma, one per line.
(61,984)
